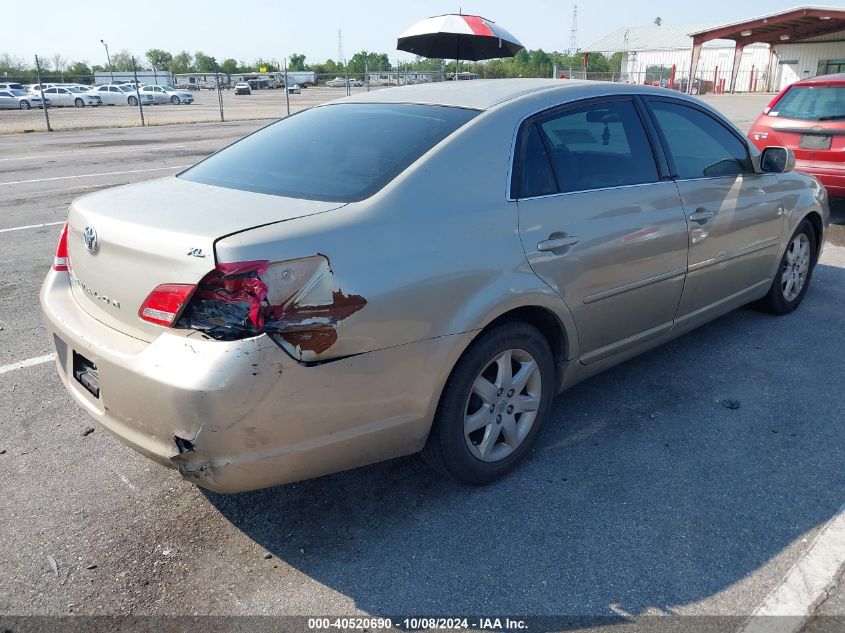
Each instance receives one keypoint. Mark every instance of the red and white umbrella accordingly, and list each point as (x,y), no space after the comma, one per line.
(458,36)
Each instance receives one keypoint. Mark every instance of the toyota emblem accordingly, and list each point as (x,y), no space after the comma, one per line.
(89,236)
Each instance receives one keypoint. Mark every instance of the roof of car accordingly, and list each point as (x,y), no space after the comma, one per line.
(478,94)
(837,79)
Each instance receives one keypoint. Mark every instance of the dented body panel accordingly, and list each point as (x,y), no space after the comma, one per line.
(252,416)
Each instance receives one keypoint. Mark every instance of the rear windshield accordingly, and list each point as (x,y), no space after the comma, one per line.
(343,153)
(817,103)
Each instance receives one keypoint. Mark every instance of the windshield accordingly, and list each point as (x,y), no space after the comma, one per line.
(75,89)
(168,88)
(19,93)
(339,153)
(812,103)
(127,88)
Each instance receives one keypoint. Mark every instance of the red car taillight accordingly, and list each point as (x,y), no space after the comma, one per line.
(297,302)
(60,261)
(164,304)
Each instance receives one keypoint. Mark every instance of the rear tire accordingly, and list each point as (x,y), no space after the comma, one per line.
(493,405)
(794,272)
(79,103)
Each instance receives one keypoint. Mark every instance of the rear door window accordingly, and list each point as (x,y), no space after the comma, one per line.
(343,153)
(701,146)
(595,146)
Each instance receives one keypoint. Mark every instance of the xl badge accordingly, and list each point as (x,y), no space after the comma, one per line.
(89,237)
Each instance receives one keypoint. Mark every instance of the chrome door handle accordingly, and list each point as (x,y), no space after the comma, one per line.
(701,216)
(556,243)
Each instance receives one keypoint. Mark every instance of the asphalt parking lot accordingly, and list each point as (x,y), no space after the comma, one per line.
(687,481)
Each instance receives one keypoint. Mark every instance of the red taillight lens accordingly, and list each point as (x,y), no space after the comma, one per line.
(164,304)
(60,261)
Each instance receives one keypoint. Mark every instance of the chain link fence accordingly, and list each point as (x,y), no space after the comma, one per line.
(212,96)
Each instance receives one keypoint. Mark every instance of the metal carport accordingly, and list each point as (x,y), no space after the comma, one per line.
(793,25)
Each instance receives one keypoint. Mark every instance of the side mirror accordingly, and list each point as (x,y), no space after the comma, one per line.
(777,160)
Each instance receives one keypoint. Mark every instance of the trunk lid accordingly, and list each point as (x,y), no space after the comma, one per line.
(810,140)
(159,232)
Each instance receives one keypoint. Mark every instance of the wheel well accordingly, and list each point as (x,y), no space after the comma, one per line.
(545,321)
(815,221)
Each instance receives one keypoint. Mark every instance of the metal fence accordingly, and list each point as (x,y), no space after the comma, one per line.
(215,100)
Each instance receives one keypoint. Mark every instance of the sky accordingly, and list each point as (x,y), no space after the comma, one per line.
(274,30)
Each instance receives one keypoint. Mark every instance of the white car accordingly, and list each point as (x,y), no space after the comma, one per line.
(294,89)
(168,94)
(35,89)
(72,96)
(112,94)
(19,100)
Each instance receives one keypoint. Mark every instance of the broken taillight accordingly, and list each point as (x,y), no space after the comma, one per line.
(164,304)
(297,302)
(60,261)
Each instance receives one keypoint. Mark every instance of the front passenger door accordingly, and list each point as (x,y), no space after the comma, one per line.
(598,224)
(735,215)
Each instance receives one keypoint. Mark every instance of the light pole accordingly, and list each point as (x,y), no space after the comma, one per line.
(111,70)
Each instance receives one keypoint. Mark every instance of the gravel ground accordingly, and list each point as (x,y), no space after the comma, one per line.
(645,494)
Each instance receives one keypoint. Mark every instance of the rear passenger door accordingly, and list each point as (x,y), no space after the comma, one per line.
(735,215)
(600,223)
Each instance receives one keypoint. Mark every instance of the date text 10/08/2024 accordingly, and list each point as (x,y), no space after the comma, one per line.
(417,624)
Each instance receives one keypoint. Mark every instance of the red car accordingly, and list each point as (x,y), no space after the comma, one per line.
(809,117)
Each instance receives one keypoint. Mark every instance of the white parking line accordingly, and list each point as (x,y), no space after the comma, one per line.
(31,226)
(806,584)
(29,362)
(109,173)
(135,148)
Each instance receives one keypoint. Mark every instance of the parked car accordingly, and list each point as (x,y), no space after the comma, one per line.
(294,89)
(112,94)
(242,88)
(318,305)
(72,96)
(35,89)
(12,86)
(337,82)
(809,117)
(19,100)
(168,94)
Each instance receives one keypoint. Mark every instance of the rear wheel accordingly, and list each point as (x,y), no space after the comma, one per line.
(794,272)
(493,405)
(79,103)
(25,105)
(133,101)
(174,100)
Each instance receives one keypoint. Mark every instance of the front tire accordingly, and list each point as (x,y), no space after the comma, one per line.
(493,405)
(794,272)
(174,100)
(133,101)
(25,105)
(79,103)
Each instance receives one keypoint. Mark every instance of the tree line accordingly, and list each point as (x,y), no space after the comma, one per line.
(527,63)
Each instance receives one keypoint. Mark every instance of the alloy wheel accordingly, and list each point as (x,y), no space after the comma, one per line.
(796,266)
(502,405)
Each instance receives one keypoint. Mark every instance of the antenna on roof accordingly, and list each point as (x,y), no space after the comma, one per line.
(573,33)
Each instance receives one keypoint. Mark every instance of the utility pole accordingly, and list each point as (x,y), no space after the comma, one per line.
(41,89)
(108,58)
(287,93)
(138,91)
(573,33)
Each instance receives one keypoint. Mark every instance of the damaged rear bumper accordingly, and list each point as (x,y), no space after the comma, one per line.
(241,415)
